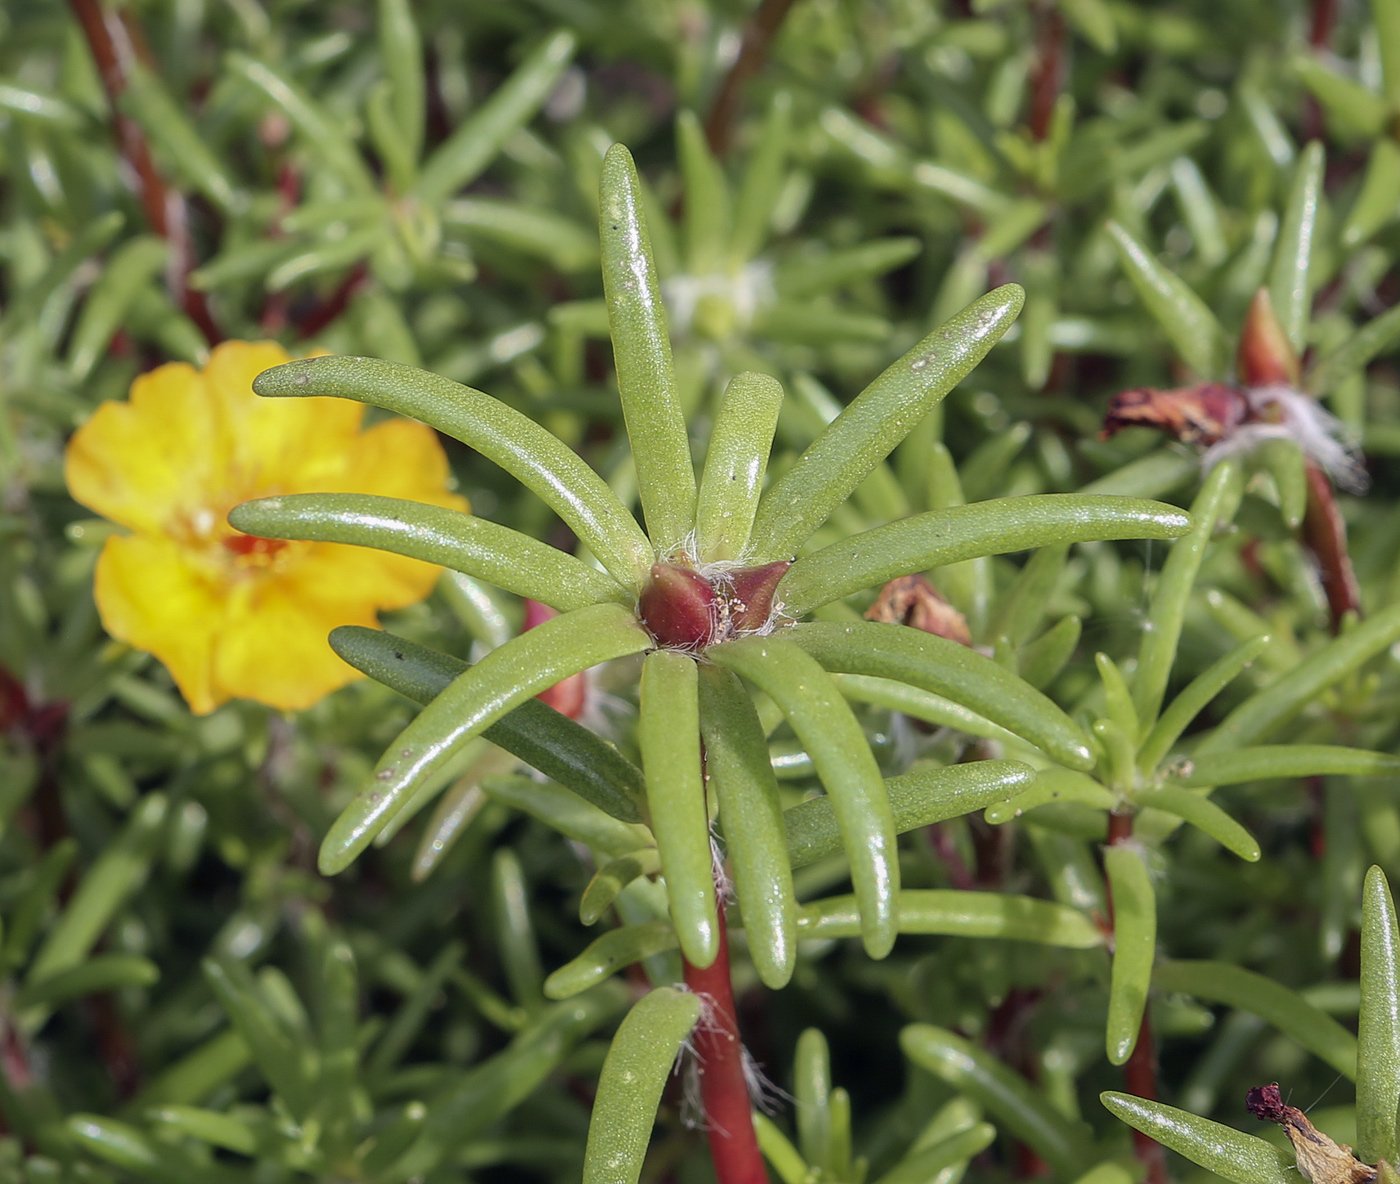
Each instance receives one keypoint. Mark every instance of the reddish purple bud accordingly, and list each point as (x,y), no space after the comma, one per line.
(751,594)
(569,697)
(1266,356)
(678,607)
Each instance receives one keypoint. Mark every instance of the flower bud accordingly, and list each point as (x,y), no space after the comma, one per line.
(1266,356)
(751,595)
(678,607)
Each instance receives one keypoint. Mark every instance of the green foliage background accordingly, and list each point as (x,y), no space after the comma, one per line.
(186,997)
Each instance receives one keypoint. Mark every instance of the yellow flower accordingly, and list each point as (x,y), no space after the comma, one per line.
(231,615)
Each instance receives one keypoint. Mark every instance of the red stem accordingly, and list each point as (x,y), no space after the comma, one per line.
(724,1091)
(719,126)
(1140,1072)
(1325,535)
(335,304)
(1047,77)
(113,46)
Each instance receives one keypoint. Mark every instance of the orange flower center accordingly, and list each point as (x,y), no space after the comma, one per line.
(250,546)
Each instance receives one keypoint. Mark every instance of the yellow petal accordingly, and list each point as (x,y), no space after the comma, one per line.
(145,462)
(275,445)
(152,595)
(346,583)
(273,647)
(400,458)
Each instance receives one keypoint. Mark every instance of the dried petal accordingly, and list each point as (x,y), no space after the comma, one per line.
(1200,414)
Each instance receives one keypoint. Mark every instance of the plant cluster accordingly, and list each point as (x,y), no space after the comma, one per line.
(896,683)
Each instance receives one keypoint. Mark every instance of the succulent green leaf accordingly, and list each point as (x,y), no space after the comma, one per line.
(1386,15)
(1289,286)
(629,1090)
(963,914)
(917,704)
(1118,701)
(208,1126)
(125,1146)
(132,266)
(778,1150)
(612,878)
(761,186)
(434,534)
(918,798)
(1184,317)
(926,1164)
(474,144)
(535,732)
(1221,1149)
(605,955)
(105,972)
(946,668)
(741,775)
(830,733)
(1134,947)
(1263,713)
(1053,785)
(875,422)
(322,132)
(1193,699)
(942,537)
(1378,1026)
(1203,814)
(108,884)
(401,51)
(646,376)
(1375,205)
(706,210)
(569,815)
(1351,106)
(811,1078)
(1157,649)
(1042,659)
(285,1062)
(804,278)
(1375,337)
(668,734)
(1289,1012)
(1013,1102)
(503,679)
(541,233)
(199,1073)
(535,457)
(167,124)
(735,462)
(1285,760)
(473,1101)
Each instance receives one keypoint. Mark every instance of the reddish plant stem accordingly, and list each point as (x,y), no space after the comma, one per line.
(1140,1072)
(113,47)
(1047,77)
(1325,535)
(719,126)
(1140,1077)
(719,1056)
(335,304)
(1324,15)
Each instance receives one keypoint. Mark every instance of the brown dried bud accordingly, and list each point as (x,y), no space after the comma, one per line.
(678,607)
(1320,1160)
(913,601)
(1202,414)
(1266,356)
